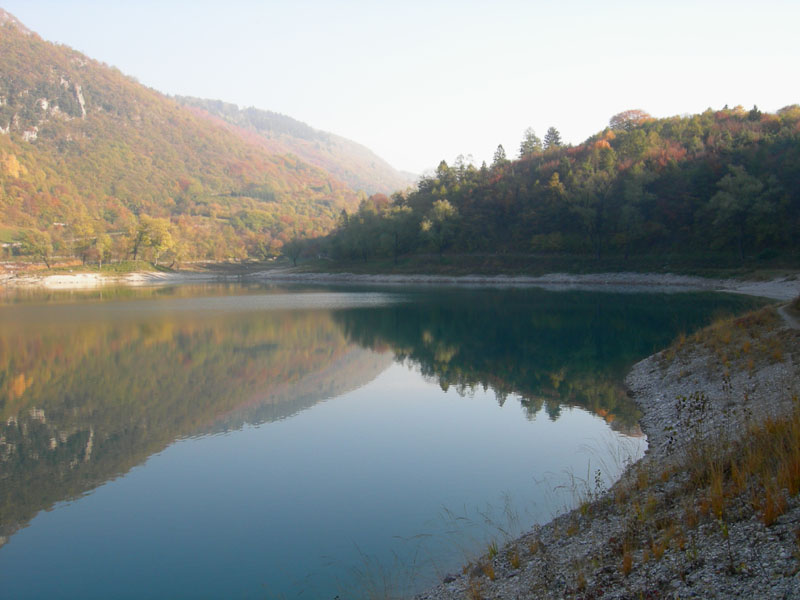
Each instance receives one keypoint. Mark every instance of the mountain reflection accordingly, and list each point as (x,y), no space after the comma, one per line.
(85,402)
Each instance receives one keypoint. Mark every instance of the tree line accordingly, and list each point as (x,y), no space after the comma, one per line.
(722,180)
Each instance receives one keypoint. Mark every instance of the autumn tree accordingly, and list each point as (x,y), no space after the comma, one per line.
(160,238)
(152,233)
(38,244)
(83,238)
(628,120)
(103,246)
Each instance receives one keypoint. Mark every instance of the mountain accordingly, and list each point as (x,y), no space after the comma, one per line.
(86,151)
(349,161)
(9,19)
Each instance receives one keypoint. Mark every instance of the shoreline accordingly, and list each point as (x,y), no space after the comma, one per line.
(781,288)
(636,539)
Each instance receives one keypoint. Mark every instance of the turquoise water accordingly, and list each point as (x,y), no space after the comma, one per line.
(256,442)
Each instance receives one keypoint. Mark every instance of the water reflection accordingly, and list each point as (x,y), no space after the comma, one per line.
(86,396)
(552,349)
(90,390)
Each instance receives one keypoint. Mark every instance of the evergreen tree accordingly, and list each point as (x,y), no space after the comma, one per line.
(531,144)
(499,156)
(552,139)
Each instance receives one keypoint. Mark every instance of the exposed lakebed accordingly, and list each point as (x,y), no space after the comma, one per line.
(248,441)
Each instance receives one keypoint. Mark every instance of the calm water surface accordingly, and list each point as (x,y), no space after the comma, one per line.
(257,442)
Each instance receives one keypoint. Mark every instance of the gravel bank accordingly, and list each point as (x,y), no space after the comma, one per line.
(783,288)
(82,281)
(653,535)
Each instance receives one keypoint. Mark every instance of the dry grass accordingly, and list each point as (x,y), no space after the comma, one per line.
(723,477)
(533,547)
(475,590)
(734,338)
(493,549)
(703,490)
(657,547)
(766,463)
(627,560)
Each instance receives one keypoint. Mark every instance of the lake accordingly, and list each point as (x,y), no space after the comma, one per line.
(247,441)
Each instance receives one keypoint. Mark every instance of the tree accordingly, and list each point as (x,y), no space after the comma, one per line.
(152,233)
(530,145)
(83,238)
(499,156)
(552,139)
(294,248)
(439,226)
(630,218)
(399,224)
(103,245)
(629,119)
(38,244)
(738,195)
(160,238)
(588,203)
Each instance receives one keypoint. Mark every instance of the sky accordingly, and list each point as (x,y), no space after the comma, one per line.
(422,81)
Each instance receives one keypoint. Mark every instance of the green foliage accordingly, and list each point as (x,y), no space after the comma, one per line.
(499,157)
(530,145)
(439,225)
(552,139)
(38,244)
(718,185)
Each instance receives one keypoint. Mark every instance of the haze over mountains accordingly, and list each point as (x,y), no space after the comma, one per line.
(86,151)
(356,165)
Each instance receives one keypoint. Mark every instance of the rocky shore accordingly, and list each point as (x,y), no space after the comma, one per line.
(680,523)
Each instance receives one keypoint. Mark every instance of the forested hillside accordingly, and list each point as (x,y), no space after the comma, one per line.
(350,162)
(95,164)
(722,182)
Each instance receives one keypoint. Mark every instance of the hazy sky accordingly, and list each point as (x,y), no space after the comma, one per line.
(421,81)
